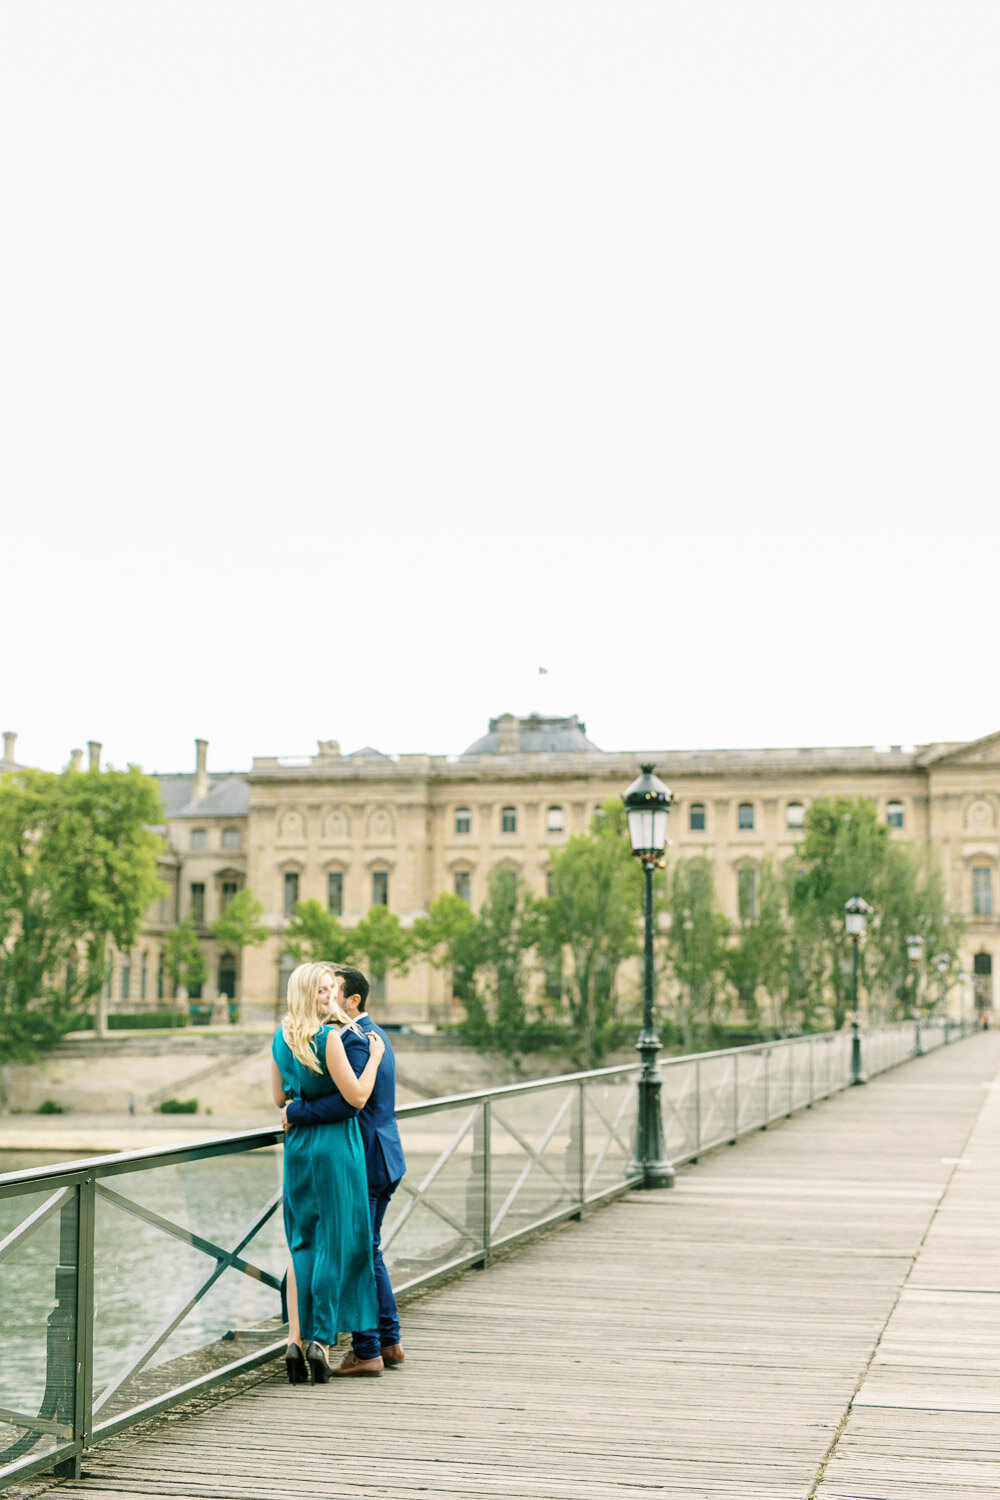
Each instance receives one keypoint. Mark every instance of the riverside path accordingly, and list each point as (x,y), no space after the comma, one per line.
(814,1312)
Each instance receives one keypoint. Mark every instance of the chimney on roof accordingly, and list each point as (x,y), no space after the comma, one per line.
(75,759)
(94,751)
(9,737)
(508,734)
(200,785)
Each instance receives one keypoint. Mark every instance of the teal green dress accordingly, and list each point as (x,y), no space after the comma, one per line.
(327,1223)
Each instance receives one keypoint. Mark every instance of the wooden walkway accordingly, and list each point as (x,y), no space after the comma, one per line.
(815,1312)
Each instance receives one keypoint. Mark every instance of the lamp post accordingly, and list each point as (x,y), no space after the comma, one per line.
(856,914)
(943,963)
(647,805)
(915,952)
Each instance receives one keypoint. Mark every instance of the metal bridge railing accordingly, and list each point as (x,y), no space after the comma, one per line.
(129,1283)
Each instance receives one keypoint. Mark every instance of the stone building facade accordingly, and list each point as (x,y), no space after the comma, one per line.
(354,830)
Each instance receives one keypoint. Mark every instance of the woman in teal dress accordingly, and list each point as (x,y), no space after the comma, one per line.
(331,1279)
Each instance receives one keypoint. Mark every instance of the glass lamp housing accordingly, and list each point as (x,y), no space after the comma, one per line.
(647,806)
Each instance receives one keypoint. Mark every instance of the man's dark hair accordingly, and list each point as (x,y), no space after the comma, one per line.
(355,983)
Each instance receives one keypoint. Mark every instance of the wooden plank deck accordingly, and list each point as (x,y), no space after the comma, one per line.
(795,1301)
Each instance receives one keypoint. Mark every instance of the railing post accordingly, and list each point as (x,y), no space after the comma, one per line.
(582,1133)
(697,1106)
(812,1077)
(65,1389)
(487,1183)
(767,1088)
(736,1097)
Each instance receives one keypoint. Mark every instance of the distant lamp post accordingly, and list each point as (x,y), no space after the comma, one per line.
(647,805)
(943,965)
(856,914)
(915,953)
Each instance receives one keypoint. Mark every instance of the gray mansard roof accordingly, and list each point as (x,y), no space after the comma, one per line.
(228,797)
(535,734)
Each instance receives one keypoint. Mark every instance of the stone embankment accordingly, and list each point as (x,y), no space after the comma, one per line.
(109,1090)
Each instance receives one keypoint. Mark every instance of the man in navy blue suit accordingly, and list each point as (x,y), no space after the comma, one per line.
(372,1349)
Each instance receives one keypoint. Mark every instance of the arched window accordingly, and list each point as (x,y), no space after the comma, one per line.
(795,815)
(291,891)
(335,892)
(894,814)
(463,820)
(508,820)
(554,822)
(380,888)
(696,817)
(744,816)
(463,885)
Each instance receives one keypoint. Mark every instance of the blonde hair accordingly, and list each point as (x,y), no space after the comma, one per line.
(302,1020)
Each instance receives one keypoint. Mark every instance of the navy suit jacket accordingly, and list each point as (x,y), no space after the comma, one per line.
(384,1161)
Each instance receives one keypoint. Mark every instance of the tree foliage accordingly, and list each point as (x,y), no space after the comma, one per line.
(383,940)
(183,959)
(591,915)
(240,925)
(78,856)
(695,945)
(315,935)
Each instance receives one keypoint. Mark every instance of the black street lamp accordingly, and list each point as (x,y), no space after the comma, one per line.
(856,914)
(647,805)
(915,953)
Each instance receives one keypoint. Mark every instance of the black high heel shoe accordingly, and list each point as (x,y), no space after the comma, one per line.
(295,1365)
(318,1363)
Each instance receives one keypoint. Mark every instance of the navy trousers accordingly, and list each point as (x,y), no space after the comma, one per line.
(366,1345)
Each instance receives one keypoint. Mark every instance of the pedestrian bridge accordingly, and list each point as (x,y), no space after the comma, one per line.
(813,1313)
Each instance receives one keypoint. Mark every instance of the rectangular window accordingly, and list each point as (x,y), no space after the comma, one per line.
(229,889)
(696,817)
(335,893)
(463,820)
(894,815)
(198,903)
(291,891)
(463,885)
(508,820)
(377,991)
(554,822)
(199,838)
(795,815)
(126,989)
(231,838)
(380,888)
(982,891)
(143,977)
(745,816)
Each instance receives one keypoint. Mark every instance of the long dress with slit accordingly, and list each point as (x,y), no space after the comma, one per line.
(327,1225)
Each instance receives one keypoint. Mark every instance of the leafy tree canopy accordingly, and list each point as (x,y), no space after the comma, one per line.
(78,856)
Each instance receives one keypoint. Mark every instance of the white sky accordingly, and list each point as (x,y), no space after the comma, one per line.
(358,359)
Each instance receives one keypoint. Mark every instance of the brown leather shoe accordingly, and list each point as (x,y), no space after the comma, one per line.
(351,1365)
(392,1354)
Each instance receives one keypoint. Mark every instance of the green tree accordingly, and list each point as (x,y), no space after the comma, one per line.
(847,850)
(757,965)
(384,942)
(183,959)
(77,873)
(315,935)
(508,928)
(592,915)
(696,948)
(239,925)
(449,937)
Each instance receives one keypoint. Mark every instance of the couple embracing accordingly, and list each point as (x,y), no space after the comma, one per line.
(333,1077)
